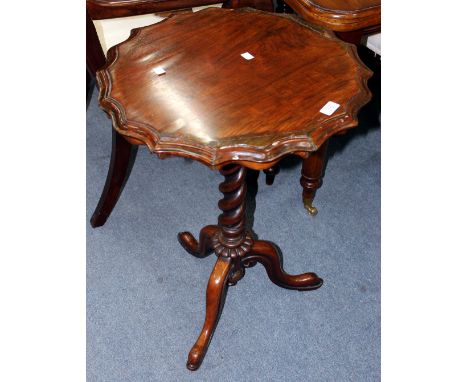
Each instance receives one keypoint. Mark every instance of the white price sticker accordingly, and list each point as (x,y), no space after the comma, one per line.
(247,56)
(159,71)
(329,108)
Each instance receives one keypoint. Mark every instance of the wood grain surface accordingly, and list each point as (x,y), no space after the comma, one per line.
(214,106)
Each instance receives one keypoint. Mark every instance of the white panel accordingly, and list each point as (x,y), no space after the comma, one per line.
(114,31)
(373,43)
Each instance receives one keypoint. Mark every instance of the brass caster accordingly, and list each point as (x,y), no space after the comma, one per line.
(309,207)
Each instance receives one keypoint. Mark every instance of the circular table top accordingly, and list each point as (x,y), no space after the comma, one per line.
(183,88)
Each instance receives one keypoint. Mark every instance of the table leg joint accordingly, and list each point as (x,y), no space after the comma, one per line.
(233,249)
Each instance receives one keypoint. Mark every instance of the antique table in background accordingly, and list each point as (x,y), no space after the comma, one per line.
(350,20)
(182,88)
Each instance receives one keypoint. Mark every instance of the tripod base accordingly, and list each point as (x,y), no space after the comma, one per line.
(227,272)
(236,250)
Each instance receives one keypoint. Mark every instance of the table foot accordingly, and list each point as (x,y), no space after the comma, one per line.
(265,253)
(215,296)
(312,210)
(312,177)
(203,247)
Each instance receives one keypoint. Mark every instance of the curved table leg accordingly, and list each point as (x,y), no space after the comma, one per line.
(203,247)
(266,254)
(312,177)
(215,296)
(120,167)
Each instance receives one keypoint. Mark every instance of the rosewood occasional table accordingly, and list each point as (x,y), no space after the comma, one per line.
(232,90)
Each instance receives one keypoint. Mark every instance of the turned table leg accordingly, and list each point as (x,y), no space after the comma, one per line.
(120,167)
(312,176)
(236,250)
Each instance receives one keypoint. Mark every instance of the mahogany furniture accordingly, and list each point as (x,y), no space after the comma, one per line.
(182,88)
(350,20)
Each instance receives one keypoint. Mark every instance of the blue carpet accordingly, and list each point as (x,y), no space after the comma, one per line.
(146,295)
